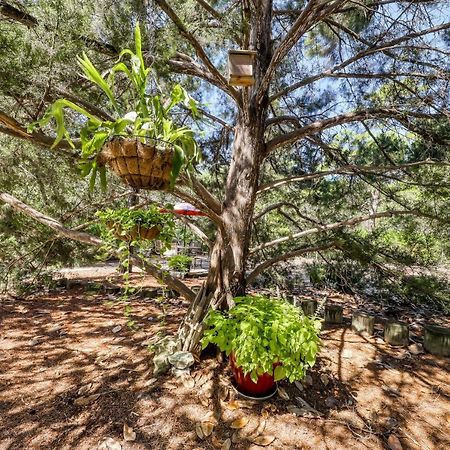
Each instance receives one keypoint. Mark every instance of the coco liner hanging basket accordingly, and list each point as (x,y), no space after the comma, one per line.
(140,165)
(138,231)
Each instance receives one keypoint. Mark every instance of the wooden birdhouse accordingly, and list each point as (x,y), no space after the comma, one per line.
(240,67)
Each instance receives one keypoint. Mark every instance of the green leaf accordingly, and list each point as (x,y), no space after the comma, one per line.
(279,373)
(94,75)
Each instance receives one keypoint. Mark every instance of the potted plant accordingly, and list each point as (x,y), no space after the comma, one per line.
(142,144)
(138,224)
(266,339)
(180,264)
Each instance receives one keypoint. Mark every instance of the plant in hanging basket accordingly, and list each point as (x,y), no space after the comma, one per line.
(145,147)
(138,224)
(266,338)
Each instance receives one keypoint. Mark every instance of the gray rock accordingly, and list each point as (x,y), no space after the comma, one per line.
(308,380)
(161,363)
(181,360)
(180,373)
(166,345)
(416,349)
(331,402)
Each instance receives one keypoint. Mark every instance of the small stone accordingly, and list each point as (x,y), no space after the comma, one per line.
(347,353)
(324,379)
(308,380)
(116,329)
(394,443)
(331,402)
(182,360)
(391,422)
(180,373)
(416,349)
(161,364)
(299,386)
(109,444)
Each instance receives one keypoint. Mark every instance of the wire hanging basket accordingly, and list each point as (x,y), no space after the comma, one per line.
(141,163)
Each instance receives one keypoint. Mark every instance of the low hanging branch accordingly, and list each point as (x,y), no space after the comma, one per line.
(337,225)
(301,251)
(87,238)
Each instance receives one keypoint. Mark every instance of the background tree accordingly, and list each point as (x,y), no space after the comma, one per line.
(346,126)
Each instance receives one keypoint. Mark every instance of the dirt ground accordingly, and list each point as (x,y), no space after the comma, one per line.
(72,373)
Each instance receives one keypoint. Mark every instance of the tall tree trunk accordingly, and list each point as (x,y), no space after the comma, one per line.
(226,278)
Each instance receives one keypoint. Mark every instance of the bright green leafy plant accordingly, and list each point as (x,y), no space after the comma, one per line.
(261,332)
(180,263)
(123,221)
(148,118)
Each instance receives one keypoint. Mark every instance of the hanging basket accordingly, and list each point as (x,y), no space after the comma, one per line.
(240,67)
(143,233)
(140,165)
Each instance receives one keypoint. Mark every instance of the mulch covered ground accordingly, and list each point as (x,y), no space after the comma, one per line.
(72,374)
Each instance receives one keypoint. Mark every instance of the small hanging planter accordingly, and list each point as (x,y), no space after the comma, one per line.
(140,165)
(135,233)
(240,67)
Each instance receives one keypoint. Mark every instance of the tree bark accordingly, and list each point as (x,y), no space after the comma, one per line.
(227,274)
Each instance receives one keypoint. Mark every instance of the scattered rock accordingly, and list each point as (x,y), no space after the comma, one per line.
(36,340)
(109,444)
(116,329)
(331,402)
(128,433)
(299,386)
(324,379)
(394,443)
(188,382)
(308,380)
(283,394)
(391,423)
(180,373)
(347,353)
(306,409)
(161,364)
(416,349)
(181,360)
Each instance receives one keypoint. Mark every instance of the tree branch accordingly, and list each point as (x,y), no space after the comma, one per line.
(349,169)
(199,50)
(301,251)
(87,238)
(314,11)
(362,54)
(335,226)
(318,126)
(29,21)
(11,127)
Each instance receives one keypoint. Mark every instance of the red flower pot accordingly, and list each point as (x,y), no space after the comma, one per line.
(263,386)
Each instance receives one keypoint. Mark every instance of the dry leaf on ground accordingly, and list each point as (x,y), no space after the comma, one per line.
(394,443)
(239,423)
(82,401)
(264,440)
(226,445)
(198,430)
(232,405)
(207,428)
(85,389)
(128,433)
